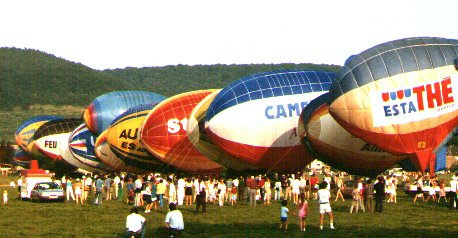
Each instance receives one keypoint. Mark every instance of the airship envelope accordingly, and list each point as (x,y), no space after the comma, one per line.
(25,131)
(124,141)
(164,133)
(255,118)
(400,96)
(334,145)
(104,153)
(82,146)
(195,130)
(105,108)
(54,134)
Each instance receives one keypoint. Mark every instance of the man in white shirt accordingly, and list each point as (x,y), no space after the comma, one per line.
(116,182)
(135,224)
(174,221)
(180,190)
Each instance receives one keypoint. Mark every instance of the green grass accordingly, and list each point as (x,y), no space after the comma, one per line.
(404,219)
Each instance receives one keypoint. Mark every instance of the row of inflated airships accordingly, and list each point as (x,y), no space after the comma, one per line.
(391,104)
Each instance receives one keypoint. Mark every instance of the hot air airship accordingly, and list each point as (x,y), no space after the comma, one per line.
(255,118)
(123,138)
(400,96)
(104,153)
(105,108)
(335,146)
(195,130)
(81,144)
(54,134)
(25,131)
(163,133)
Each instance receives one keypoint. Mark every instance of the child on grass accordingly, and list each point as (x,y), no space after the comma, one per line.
(284,216)
(233,195)
(303,211)
(5,197)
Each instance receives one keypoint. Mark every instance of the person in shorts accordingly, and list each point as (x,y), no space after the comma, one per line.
(325,207)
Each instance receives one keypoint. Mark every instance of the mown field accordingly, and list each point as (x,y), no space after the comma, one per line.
(404,219)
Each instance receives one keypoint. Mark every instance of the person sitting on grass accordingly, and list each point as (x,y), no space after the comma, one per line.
(174,221)
(135,224)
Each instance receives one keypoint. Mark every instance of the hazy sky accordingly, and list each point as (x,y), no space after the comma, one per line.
(107,34)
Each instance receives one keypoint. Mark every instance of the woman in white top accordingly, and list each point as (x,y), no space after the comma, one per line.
(222,192)
(325,207)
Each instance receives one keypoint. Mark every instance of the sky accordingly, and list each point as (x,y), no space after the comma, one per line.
(110,34)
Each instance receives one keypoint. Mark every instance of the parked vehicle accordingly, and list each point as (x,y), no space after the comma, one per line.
(47,191)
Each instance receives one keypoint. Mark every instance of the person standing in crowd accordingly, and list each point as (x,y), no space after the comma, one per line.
(339,188)
(221,192)
(260,181)
(453,192)
(135,224)
(116,181)
(379,188)
(368,194)
(98,191)
(314,186)
(235,183)
(295,189)
(242,189)
(286,186)
(268,190)
(147,197)
(432,190)
(130,187)
(107,187)
(324,196)
(227,195)
(78,191)
(138,190)
(253,186)
(69,189)
(419,189)
(188,191)
(19,186)
(174,221)
(277,188)
(160,191)
(442,193)
(181,184)
(120,189)
(172,191)
(88,187)
(356,198)
(201,196)
(303,211)
(233,195)
(5,197)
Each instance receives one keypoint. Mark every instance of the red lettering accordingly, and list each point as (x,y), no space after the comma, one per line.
(419,91)
(436,95)
(447,91)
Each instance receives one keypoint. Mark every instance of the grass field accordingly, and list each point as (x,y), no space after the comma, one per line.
(404,219)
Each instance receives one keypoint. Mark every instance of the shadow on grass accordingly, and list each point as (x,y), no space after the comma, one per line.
(262,231)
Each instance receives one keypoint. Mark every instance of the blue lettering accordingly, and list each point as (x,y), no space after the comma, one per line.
(403,106)
(293,107)
(281,111)
(412,107)
(387,111)
(395,109)
(266,112)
